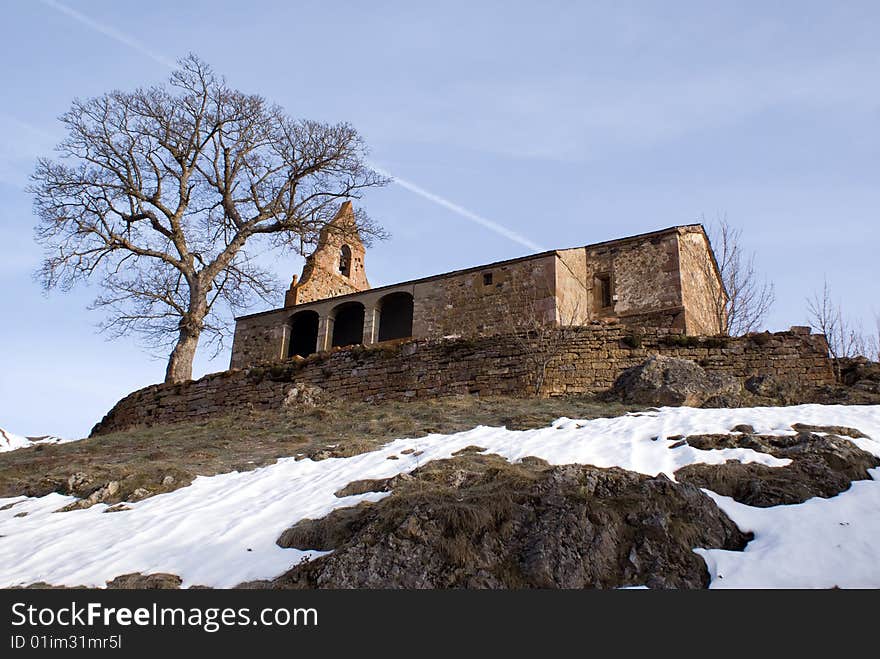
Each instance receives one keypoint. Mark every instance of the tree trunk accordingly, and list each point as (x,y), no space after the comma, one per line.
(180,364)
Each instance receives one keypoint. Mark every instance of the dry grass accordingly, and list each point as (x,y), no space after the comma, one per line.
(464,497)
(145,458)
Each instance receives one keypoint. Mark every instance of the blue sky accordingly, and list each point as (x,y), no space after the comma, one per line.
(566,123)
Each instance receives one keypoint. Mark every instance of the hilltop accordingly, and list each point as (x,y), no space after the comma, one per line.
(456,492)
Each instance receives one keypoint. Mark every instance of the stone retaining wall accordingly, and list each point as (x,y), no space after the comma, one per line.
(572,361)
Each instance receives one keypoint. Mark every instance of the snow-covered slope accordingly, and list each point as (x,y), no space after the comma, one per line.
(11,442)
(221,530)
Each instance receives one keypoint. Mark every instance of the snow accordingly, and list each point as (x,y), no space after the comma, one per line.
(11,442)
(221,530)
(821,543)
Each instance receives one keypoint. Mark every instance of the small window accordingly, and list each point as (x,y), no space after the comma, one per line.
(487,279)
(604,281)
(345,261)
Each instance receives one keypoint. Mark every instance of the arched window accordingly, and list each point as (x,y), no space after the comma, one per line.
(348,324)
(345,261)
(303,334)
(395,316)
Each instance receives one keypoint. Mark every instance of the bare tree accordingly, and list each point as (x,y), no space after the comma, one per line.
(845,338)
(867,344)
(743,304)
(156,192)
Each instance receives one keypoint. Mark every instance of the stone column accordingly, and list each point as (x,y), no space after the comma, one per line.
(371,325)
(325,333)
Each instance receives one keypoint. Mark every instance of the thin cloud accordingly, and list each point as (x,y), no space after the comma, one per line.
(108,31)
(134,44)
(495,227)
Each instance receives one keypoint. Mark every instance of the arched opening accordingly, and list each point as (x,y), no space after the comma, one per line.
(345,261)
(348,324)
(395,316)
(303,334)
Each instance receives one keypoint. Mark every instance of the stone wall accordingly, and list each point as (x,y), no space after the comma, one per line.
(585,360)
(642,275)
(638,281)
(701,290)
(520,294)
(496,299)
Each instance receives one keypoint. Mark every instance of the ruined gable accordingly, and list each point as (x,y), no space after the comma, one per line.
(336,267)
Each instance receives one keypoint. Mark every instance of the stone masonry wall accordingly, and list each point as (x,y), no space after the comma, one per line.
(643,275)
(520,294)
(702,293)
(585,360)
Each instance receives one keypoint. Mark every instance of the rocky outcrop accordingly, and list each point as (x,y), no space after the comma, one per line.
(860,373)
(858,384)
(478,521)
(89,490)
(662,380)
(133,581)
(822,466)
(138,581)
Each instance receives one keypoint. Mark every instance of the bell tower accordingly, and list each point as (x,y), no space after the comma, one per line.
(336,267)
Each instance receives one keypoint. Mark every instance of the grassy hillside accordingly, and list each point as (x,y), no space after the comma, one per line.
(146,461)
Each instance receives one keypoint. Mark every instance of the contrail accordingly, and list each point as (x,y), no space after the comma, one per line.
(501,230)
(126,40)
(106,30)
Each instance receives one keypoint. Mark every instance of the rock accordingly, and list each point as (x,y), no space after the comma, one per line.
(319,535)
(96,497)
(303,395)
(859,371)
(844,431)
(672,381)
(99,495)
(867,386)
(138,581)
(168,481)
(515,526)
(781,390)
(140,493)
(822,466)
(364,486)
(469,449)
(77,481)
